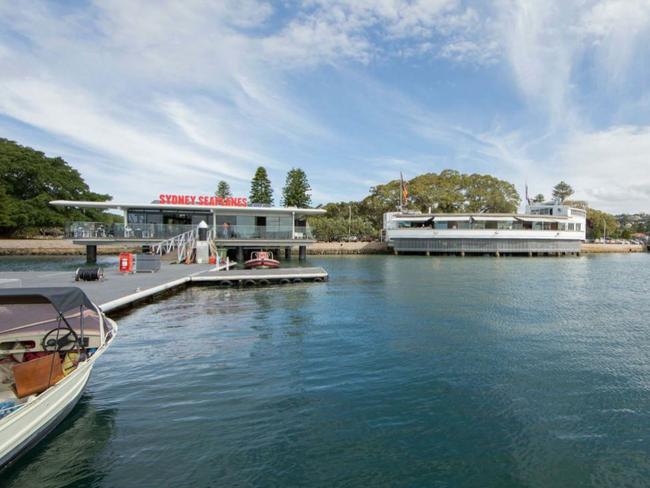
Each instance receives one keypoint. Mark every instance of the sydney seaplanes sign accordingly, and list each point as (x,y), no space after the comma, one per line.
(206,200)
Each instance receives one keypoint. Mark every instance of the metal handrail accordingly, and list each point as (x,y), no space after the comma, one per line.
(100,230)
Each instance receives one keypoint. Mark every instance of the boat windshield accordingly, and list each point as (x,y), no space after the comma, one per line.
(35,317)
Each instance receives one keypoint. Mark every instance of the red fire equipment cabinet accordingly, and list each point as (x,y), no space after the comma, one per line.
(126,262)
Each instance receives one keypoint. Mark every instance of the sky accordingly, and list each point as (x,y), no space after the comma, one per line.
(158,97)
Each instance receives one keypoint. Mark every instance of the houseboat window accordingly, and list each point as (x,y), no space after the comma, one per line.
(491,224)
(478,225)
(538,226)
(571,226)
(578,226)
(440,225)
(562,226)
(505,225)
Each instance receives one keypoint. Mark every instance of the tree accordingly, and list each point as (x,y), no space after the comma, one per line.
(562,191)
(382,199)
(598,222)
(29,180)
(442,192)
(485,193)
(539,198)
(223,190)
(327,228)
(451,192)
(296,189)
(261,191)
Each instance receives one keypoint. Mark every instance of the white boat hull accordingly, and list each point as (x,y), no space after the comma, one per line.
(24,428)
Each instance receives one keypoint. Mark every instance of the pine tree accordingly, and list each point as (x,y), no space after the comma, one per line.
(562,191)
(296,188)
(223,189)
(261,191)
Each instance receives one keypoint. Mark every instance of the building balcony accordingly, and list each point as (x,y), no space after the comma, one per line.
(99,232)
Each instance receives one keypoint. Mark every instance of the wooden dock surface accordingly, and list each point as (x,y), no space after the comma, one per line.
(118,290)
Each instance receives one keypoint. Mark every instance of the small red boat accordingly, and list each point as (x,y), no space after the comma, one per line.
(262,259)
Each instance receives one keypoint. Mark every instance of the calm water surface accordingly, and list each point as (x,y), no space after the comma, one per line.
(406,371)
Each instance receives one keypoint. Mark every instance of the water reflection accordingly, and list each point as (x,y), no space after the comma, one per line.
(75,452)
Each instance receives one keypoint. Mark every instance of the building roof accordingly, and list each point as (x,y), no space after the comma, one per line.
(223,210)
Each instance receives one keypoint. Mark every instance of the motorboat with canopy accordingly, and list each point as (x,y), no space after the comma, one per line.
(49,341)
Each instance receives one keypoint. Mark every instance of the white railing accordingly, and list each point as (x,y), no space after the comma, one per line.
(183,244)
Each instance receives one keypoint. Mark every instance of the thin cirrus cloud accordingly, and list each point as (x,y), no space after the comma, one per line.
(186,93)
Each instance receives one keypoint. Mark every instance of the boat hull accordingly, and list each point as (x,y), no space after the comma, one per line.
(262,264)
(26,427)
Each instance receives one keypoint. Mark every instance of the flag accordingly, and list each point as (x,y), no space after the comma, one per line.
(403,190)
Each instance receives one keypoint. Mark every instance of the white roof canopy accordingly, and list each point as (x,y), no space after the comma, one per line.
(452,218)
(541,219)
(504,218)
(222,209)
(415,218)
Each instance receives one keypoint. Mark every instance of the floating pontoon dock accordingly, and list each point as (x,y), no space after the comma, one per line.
(117,291)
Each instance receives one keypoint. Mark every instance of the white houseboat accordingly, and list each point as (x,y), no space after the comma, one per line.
(545,228)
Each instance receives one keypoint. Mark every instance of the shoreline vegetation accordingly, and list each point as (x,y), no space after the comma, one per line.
(29,180)
(65,247)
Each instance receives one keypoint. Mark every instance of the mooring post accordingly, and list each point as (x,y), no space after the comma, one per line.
(302,253)
(91,254)
(462,254)
(240,256)
(497,254)
(287,253)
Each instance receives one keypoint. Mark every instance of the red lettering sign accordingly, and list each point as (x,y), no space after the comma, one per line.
(205,200)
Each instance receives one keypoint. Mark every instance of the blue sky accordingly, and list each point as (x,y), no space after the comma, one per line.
(169,97)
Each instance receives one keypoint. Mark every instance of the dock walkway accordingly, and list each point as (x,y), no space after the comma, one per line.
(118,290)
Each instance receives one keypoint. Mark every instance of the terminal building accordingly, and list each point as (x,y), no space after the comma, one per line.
(544,229)
(234,224)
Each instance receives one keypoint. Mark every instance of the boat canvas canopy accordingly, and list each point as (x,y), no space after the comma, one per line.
(451,218)
(500,218)
(63,298)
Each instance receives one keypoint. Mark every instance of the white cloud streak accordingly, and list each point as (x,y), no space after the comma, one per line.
(211,87)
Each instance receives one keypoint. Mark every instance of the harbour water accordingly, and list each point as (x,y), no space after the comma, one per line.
(408,371)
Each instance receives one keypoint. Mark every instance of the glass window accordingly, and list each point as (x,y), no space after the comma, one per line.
(578,226)
(571,226)
(136,217)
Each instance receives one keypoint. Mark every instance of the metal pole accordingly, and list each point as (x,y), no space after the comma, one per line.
(605,230)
